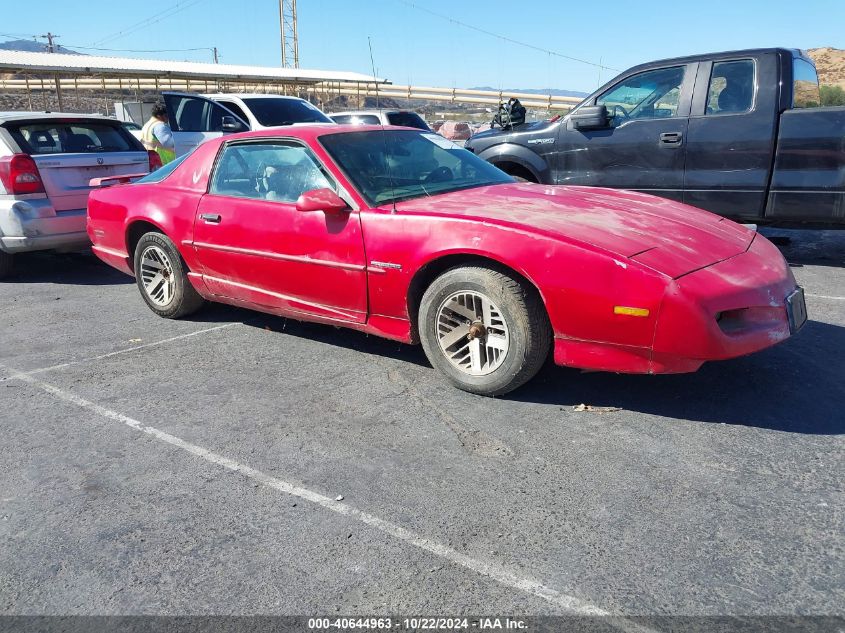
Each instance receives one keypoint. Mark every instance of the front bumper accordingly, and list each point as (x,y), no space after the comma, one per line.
(33,225)
(730,309)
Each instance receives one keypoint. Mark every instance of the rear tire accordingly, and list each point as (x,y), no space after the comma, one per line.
(162,278)
(486,331)
(6,264)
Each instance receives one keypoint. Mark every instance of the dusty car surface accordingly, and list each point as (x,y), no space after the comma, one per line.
(401,234)
(47,161)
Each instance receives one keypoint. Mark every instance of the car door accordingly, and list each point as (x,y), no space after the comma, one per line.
(731,136)
(194,119)
(643,147)
(255,246)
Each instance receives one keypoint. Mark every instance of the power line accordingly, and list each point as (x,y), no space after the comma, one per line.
(140,50)
(506,38)
(153,19)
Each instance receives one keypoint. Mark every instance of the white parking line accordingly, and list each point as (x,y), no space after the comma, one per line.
(826,297)
(569,604)
(128,349)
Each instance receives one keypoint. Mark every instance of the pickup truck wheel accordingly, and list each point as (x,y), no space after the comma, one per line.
(161,275)
(6,262)
(487,332)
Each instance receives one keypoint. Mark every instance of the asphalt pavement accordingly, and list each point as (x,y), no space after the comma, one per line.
(238,463)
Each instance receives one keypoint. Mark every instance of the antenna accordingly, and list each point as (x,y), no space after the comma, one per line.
(375,79)
(383,131)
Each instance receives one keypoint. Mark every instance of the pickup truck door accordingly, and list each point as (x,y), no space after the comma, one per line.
(254,246)
(644,146)
(194,119)
(731,135)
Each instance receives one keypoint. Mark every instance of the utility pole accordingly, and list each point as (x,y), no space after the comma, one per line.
(290,37)
(51,48)
(214,51)
(49,37)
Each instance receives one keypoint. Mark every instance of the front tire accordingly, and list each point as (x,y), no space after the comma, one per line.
(486,331)
(162,278)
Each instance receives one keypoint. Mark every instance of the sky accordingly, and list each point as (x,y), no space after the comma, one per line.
(421,41)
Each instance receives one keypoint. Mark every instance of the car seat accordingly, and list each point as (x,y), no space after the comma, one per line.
(735,97)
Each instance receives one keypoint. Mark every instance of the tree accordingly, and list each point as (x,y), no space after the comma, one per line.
(832,95)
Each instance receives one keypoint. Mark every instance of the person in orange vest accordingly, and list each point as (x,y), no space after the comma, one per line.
(157,136)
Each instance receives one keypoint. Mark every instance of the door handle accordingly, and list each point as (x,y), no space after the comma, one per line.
(210,218)
(671,138)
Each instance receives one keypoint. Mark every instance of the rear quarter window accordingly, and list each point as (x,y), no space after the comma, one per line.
(72,137)
(805,85)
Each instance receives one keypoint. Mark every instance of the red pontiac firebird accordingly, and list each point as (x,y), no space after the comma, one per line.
(400,233)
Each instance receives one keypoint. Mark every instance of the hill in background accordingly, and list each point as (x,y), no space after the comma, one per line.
(33,46)
(830,62)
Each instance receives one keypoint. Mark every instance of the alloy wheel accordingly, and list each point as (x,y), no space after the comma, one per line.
(157,275)
(472,333)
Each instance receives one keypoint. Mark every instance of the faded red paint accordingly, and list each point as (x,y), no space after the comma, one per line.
(586,250)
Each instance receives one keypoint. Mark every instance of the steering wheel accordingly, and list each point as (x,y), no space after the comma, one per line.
(619,110)
(440,174)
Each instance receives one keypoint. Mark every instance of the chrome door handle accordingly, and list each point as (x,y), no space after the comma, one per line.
(671,138)
(210,218)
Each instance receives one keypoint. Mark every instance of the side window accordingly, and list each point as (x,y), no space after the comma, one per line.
(216,112)
(731,87)
(236,109)
(654,94)
(267,171)
(805,85)
(187,114)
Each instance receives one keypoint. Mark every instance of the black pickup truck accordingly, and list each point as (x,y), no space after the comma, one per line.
(739,133)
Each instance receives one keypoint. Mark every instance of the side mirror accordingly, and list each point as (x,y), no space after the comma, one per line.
(231,124)
(590,118)
(324,200)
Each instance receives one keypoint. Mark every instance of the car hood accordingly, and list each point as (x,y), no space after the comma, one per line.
(667,236)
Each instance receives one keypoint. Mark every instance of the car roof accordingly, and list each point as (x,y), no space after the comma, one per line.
(748,52)
(247,95)
(376,112)
(17,115)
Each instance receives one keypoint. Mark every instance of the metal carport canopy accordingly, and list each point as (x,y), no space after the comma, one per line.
(29,62)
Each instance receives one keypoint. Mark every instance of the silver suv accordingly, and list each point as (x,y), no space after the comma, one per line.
(47,161)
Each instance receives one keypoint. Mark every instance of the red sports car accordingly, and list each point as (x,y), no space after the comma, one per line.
(400,233)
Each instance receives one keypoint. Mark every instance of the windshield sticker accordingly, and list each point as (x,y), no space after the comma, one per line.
(438,140)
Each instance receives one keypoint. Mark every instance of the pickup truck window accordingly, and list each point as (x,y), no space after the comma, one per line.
(653,94)
(731,87)
(805,85)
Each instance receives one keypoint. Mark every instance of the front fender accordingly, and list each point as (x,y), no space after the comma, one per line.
(520,155)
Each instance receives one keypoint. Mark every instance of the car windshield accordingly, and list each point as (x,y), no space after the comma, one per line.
(272,111)
(392,165)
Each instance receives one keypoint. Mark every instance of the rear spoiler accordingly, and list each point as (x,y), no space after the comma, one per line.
(108,181)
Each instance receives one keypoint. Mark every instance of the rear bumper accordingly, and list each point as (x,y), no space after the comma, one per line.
(33,225)
(733,308)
